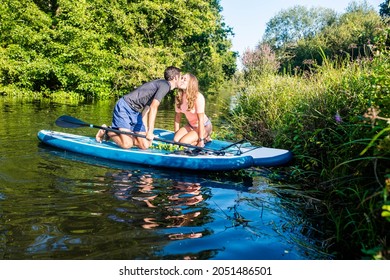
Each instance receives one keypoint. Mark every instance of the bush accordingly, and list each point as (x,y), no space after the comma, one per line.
(321,118)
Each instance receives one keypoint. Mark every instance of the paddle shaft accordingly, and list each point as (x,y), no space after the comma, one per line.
(70,122)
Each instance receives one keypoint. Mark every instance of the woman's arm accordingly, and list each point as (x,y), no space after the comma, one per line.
(177,121)
(200,106)
(201,130)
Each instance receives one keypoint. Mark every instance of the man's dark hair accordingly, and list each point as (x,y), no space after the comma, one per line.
(171,72)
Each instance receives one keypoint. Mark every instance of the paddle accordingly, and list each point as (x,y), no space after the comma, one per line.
(71,122)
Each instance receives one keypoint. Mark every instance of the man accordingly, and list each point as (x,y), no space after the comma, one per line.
(129,111)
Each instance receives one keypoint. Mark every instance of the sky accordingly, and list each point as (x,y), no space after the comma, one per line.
(248,18)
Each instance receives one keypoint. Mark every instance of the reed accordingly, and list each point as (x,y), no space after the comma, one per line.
(327,118)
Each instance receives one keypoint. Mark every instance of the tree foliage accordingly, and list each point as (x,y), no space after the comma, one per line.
(384,10)
(262,61)
(353,34)
(303,37)
(100,47)
(296,23)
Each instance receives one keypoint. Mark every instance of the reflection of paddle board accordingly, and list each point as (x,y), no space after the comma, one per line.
(233,158)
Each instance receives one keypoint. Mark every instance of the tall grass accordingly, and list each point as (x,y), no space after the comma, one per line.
(321,116)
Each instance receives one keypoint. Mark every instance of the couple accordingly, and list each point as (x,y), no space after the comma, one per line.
(136,112)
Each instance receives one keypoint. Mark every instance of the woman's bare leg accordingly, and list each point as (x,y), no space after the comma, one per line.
(190,138)
(180,133)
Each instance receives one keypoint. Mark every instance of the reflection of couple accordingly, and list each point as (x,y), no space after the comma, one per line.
(136,112)
(178,203)
(185,195)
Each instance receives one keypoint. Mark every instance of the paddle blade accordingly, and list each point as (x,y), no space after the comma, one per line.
(70,122)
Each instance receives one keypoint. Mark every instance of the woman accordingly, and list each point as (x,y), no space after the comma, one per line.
(191,103)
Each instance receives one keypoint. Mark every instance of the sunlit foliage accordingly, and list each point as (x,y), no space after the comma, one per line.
(101,48)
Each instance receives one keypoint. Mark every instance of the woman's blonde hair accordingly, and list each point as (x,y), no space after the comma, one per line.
(191,92)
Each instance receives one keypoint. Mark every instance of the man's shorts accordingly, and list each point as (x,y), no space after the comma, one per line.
(125,117)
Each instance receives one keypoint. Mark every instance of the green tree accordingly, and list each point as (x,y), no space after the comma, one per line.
(353,34)
(260,61)
(24,33)
(300,44)
(384,10)
(296,23)
(97,48)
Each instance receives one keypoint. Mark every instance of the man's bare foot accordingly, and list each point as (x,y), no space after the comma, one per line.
(100,134)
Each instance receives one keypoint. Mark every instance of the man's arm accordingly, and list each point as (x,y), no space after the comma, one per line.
(145,114)
(152,118)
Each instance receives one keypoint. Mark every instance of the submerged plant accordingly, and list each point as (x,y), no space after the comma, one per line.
(166,147)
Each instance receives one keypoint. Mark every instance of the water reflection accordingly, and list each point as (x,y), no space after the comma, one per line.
(79,207)
(59,205)
(168,208)
(165,203)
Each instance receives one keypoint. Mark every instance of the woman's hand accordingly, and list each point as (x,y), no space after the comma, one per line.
(200,142)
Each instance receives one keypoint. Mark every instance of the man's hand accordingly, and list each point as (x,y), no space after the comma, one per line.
(150,136)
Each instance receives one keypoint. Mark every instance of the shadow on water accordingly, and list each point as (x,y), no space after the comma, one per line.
(61,205)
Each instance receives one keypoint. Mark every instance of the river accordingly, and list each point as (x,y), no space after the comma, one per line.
(64,206)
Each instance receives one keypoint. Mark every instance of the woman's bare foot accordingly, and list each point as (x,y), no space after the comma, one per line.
(100,134)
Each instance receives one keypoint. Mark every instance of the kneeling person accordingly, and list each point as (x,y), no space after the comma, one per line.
(129,111)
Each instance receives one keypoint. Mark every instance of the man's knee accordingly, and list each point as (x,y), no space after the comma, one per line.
(127,142)
(126,145)
(143,143)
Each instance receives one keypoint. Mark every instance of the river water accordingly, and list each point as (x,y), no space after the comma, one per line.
(59,205)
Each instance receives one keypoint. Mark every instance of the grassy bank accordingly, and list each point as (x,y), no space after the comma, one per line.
(336,121)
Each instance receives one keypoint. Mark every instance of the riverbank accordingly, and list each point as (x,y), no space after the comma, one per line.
(335,120)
